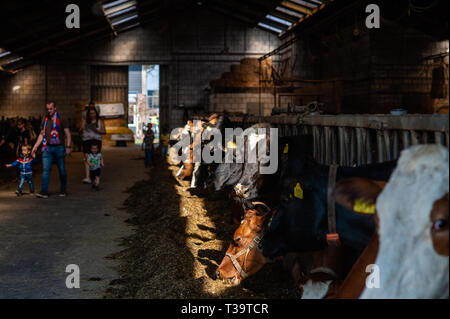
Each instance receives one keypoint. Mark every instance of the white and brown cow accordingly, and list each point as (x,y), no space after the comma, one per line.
(411,247)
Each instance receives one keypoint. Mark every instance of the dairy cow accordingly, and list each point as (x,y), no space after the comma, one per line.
(411,245)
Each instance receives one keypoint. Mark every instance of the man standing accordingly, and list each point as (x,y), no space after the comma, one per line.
(56,140)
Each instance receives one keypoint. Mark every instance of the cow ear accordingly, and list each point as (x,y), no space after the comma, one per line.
(261,208)
(358,194)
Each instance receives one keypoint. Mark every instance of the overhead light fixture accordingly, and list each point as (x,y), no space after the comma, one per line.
(16,88)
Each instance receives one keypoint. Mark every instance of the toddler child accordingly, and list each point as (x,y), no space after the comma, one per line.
(95,162)
(24,163)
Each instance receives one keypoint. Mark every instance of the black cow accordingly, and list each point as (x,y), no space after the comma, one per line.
(226,175)
(203,172)
(270,188)
(301,223)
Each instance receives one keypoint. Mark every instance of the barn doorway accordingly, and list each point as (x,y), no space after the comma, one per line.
(143,100)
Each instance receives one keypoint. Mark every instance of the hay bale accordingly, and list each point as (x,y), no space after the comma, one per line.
(244,68)
(250,61)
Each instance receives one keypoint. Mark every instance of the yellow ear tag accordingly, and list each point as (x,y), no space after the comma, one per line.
(286,149)
(270,221)
(298,191)
(364,206)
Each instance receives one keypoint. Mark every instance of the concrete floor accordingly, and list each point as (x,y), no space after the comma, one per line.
(40,237)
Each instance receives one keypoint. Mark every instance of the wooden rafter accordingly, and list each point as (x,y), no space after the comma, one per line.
(296,7)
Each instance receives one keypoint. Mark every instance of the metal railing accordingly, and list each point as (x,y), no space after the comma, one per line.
(350,140)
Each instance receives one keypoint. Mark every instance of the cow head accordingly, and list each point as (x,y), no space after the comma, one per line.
(412,213)
(253,181)
(243,257)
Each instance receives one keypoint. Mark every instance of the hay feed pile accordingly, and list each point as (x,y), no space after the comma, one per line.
(179,241)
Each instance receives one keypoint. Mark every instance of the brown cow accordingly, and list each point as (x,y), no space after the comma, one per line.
(317,274)
(243,257)
(411,252)
(188,166)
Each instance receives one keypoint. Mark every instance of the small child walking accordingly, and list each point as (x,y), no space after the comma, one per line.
(24,163)
(95,162)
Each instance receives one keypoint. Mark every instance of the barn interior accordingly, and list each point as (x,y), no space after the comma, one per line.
(165,62)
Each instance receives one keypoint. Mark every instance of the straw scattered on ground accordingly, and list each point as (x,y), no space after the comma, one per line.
(179,241)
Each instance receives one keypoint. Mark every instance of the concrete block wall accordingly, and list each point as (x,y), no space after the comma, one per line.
(68,85)
(239,102)
(25,93)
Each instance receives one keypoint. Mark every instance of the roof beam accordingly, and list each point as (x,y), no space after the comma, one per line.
(71,40)
(295,7)
(284,16)
(231,14)
(233,6)
(55,35)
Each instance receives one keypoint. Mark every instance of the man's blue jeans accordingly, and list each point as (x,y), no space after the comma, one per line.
(58,153)
(148,156)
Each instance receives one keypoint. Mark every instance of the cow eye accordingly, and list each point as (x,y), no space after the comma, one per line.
(440,224)
(237,240)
